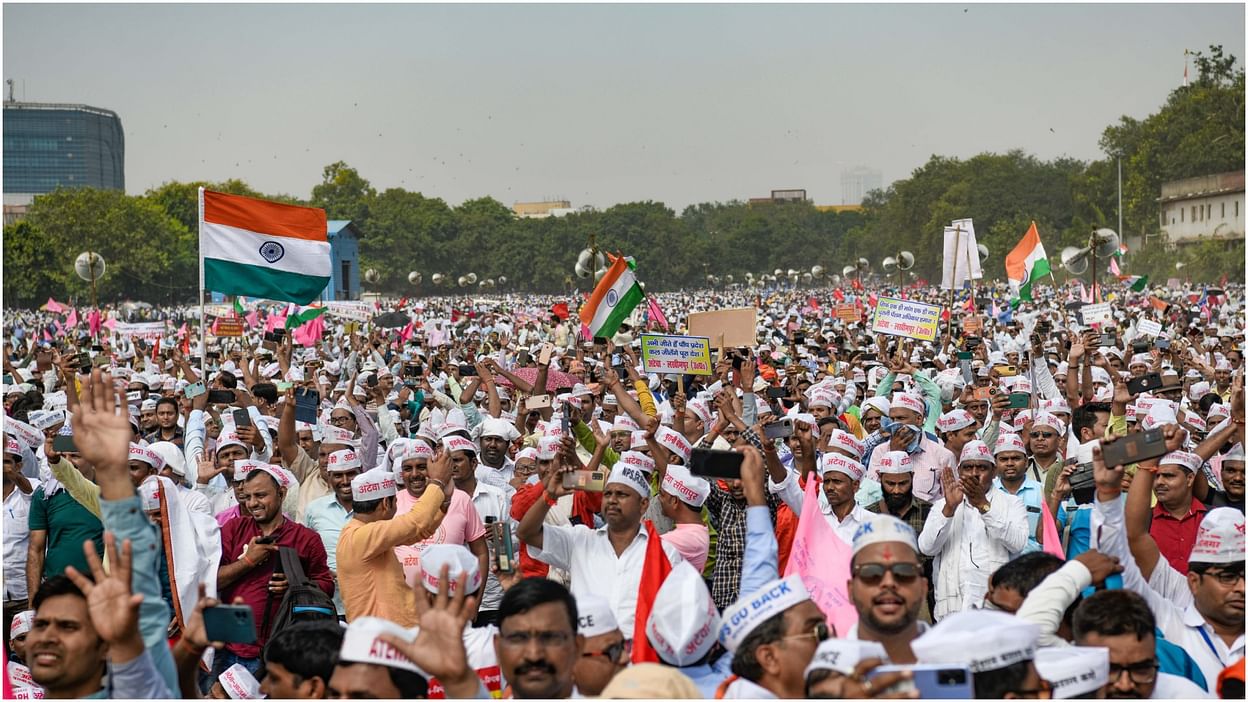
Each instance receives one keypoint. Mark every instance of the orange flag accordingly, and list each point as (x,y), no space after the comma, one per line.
(653,572)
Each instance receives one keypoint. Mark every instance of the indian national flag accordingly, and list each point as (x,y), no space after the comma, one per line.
(262,249)
(1135,283)
(1025,264)
(615,297)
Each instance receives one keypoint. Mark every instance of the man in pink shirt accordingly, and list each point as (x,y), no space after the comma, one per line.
(462,524)
(682,496)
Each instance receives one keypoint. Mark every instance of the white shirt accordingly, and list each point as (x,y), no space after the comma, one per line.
(969,546)
(492,502)
(844,528)
(17,540)
(742,689)
(498,477)
(1173,687)
(589,558)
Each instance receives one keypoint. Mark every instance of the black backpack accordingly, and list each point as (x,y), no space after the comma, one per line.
(303,601)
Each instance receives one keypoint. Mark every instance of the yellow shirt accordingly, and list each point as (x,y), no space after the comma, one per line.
(85,492)
(370,576)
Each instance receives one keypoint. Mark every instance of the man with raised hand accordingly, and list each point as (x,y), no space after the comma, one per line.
(81,624)
(1202,612)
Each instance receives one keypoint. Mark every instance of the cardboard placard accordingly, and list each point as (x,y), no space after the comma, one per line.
(1100,313)
(728,328)
(1148,327)
(229,326)
(913,320)
(676,354)
(846,313)
(973,325)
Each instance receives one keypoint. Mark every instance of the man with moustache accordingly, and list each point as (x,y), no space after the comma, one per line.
(887,586)
(897,482)
(1012,478)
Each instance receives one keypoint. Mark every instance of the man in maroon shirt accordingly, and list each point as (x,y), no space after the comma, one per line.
(247,564)
(1177,515)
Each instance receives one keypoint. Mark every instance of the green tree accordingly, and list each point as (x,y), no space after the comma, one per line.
(149,254)
(28,259)
(344,194)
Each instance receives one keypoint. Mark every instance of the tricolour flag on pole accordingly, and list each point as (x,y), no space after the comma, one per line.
(615,297)
(1135,283)
(1025,264)
(263,249)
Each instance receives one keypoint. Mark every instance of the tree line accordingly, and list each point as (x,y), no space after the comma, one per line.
(150,243)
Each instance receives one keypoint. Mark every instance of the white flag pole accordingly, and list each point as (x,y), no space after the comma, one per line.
(203,338)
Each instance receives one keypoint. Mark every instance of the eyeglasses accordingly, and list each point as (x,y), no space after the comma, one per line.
(820,633)
(545,639)
(615,653)
(340,420)
(1042,435)
(1224,576)
(873,573)
(1143,672)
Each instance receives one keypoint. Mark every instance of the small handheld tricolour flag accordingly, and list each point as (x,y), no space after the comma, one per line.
(613,299)
(262,249)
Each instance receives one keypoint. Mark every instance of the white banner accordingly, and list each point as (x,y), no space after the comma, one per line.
(1148,327)
(145,330)
(1100,313)
(961,255)
(356,311)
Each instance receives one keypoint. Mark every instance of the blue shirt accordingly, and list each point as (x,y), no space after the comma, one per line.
(326,516)
(1031,493)
(1080,526)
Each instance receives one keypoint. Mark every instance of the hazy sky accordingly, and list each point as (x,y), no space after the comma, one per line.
(600,104)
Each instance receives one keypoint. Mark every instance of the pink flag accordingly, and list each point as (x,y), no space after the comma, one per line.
(1113,266)
(253,319)
(1052,541)
(72,320)
(822,559)
(54,307)
(1084,295)
(406,333)
(47,336)
(310,332)
(656,313)
(183,330)
(97,322)
(275,322)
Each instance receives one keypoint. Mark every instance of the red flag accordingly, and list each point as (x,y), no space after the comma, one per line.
(812,303)
(402,303)
(561,311)
(653,572)
(857,284)
(970,304)
(840,296)
(944,315)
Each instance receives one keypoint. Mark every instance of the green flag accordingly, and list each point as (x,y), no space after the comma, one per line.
(307,314)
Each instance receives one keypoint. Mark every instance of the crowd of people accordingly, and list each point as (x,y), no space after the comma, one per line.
(482,502)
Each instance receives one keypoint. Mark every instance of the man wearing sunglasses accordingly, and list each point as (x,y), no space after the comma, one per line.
(1044,436)
(887,586)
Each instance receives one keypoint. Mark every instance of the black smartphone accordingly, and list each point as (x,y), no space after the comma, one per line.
(567,423)
(799,338)
(1109,339)
(781,429)
(276,335)
(973,342)
(523,358)
(241,418)
(1163,344)
(777,393)
(97,348)
(64,443)
(467,370)
(213,355)
(1083,484)
(221,397)
(1145,383)
(716,464)
(230,624)
(1139,347)
(271,538)
(371,381)
(600,341)
(306,403)
(413,371)
(1134,448)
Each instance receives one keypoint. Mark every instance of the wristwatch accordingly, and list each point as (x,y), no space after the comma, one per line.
(984,508)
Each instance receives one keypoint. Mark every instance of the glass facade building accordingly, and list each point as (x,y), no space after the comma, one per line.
(47,146)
